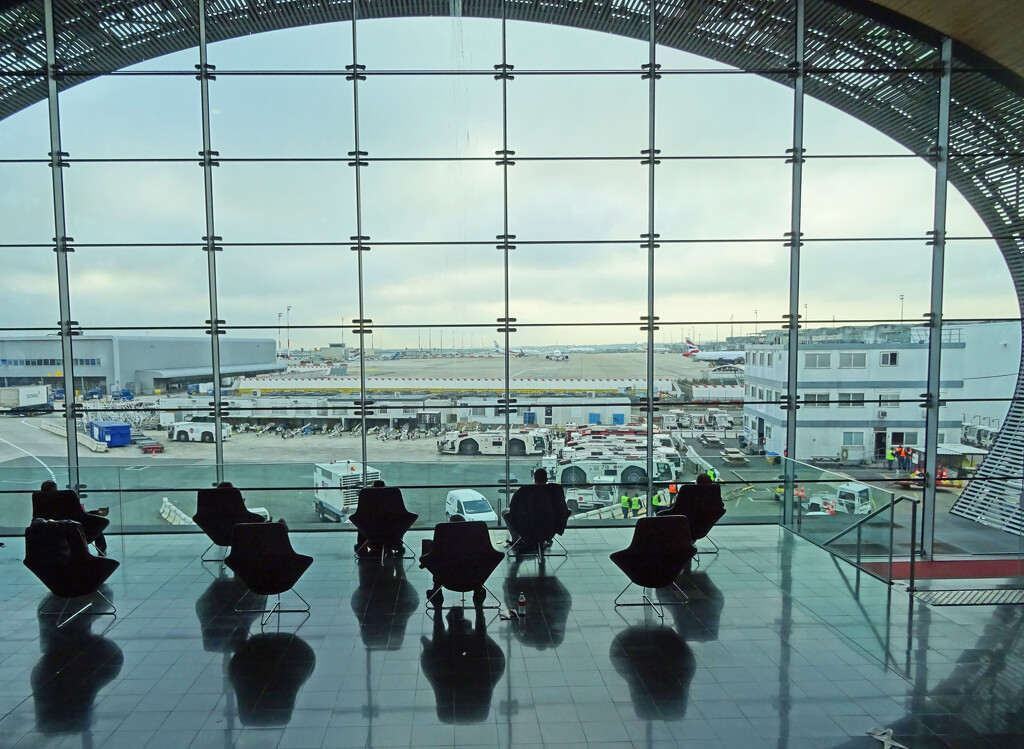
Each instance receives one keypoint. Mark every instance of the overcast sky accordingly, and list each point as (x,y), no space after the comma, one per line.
(157,117)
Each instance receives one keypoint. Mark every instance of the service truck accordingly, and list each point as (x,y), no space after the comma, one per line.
(336,488)
(25,400)
(618,469)
(492,442)
(201,429)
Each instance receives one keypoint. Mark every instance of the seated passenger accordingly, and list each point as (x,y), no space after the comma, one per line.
(538,508)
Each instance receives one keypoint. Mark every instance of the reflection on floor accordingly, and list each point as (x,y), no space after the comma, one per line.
(779,647)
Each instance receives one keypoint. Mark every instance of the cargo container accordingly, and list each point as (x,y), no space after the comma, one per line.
(111,433)
(23,400)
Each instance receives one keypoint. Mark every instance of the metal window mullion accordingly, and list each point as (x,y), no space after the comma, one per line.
(359,240)
(796,204)
(211,248)
(505,249)
(932,403)
(651,163)
(61,248)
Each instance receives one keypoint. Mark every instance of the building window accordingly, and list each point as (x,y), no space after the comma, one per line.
(769,358)
(889,400)
(889,358)
(851,400)
(817,361)
(850,360)
(853,439)
(816,400)
(477,411)
(910,438)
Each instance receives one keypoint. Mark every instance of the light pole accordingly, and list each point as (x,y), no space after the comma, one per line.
(901,309)
(755,322)
(288,328)
(279,330)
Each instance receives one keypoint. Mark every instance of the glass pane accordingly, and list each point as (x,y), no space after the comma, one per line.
(867,197)
(134,203)
(534,46)
(578,200)
(603,281)
(455,43)
(595,115)
(416,202)
(702,115)
(132,117)
(977,282)
(284,202)
(26,204)
(26,134)
(29,288)
(734,199)
(316,47)
(297,116)
(114,286)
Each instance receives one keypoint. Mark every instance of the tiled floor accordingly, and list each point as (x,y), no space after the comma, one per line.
(778,647)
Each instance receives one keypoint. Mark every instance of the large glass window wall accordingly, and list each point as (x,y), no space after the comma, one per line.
(422,247)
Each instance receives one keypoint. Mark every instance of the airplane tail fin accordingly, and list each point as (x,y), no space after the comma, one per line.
(691,349)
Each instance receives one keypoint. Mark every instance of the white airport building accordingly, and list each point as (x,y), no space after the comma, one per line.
(860,387)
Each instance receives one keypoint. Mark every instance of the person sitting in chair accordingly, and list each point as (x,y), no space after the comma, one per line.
(100,543)
(434,594)
(537,500)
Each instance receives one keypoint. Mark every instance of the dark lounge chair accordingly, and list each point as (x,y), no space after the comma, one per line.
(661,548)
(537,514)
(57,553)
(65,505)
(461,557)
(382,518)
(218,511)
(702,505)
(263,557)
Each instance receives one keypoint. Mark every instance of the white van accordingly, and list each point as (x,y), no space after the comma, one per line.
(472,505)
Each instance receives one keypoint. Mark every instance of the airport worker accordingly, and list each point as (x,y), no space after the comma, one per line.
(625,505)
(703,478)
(713,475)
(890,457)
(904,458)
(635,504)
(656,505)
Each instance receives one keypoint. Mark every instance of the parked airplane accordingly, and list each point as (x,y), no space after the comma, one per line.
(556,355)
(725,357)
(512,352)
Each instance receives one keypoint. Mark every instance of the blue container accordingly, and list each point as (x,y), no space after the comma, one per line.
(111,433)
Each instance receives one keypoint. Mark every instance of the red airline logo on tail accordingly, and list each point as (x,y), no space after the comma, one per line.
(691,348)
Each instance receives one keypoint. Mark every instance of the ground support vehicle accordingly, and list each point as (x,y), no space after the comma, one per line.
(122,394)
(611,469)
(848,498)
(25,400)
(197,430)
(470,504)
(336,488)
(492,442)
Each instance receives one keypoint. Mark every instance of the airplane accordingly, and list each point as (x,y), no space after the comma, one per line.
(658,349)
(518,353)
(725,357)
(556,355)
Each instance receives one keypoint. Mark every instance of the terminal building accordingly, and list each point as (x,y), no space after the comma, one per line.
(860,387)
(146,365)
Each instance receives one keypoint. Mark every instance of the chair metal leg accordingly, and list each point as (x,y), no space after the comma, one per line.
(204,558)
(61,621)
(383,552)
(462,602)
(275,609)
(646,600)
(712,542)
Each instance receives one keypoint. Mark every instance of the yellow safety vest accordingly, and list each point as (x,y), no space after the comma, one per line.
(625,500)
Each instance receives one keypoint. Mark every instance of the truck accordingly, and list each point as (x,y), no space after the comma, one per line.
(848,498)
(92,394)
(716,418)
(25,400)
(201,429)
(199,388)
(122,394)
(336,488)
(492,442)
(630,470)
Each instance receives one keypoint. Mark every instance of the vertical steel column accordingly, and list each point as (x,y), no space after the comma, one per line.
(938,241)
(357,163)
(505,239)
(652,77)
(61,247)
(211,248)
(793,338)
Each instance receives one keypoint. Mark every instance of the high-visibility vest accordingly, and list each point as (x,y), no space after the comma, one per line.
(711,474)
(625,500)
(636,503)
(890,455)
(671,488)
(656,500)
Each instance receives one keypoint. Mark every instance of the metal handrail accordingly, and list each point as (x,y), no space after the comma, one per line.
(891,507)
